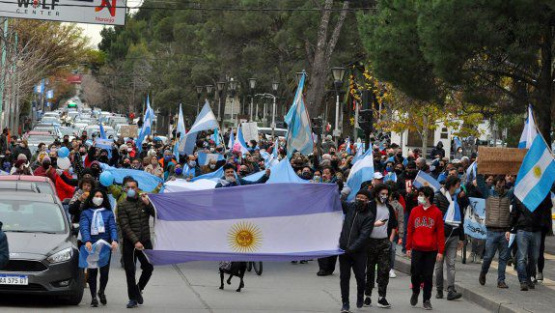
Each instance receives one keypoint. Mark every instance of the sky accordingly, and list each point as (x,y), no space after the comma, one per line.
(93,31)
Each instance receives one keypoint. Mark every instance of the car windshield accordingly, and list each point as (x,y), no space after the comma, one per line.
(31,217)
(38,187)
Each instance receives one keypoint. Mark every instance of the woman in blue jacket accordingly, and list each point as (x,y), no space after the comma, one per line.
(98,223)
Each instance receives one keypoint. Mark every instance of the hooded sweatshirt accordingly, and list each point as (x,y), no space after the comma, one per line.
(425,230)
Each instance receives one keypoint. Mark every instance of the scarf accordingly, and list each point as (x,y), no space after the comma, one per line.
(97,224)
(453,215)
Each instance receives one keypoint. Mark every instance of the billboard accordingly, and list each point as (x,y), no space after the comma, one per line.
(108,12)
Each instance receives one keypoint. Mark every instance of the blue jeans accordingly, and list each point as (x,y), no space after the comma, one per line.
(496,241)
(528,253)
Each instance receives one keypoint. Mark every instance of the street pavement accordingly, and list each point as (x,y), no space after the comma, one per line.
(193,287)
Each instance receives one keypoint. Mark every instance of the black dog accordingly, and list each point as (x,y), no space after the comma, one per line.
(233,269)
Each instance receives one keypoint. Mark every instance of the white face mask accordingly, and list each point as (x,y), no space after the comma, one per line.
(421,200)
(212,166)
(97,201)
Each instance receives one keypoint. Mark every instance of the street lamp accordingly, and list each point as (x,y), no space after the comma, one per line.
(209,89)
(275,86)
(220,86)
(199,94)
(252,85)
(232,88)
(338,74)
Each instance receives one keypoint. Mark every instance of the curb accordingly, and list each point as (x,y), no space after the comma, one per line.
(402,264)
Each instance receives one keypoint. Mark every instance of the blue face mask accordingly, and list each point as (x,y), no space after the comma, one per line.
(131,193)
(389,169)
(178,171)
(458,191)
(167,158)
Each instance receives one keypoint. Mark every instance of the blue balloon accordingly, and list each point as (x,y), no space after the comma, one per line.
(106,179)
(63,152)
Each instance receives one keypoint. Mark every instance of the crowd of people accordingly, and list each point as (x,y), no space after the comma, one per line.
(387,211)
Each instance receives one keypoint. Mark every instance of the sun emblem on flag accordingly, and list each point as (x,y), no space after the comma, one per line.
(537,171)
(244,237)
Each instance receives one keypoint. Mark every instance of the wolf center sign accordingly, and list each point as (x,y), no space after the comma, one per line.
(108,12)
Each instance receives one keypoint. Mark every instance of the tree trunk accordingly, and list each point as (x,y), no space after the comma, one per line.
(319,71)
(543,107)
(425,130)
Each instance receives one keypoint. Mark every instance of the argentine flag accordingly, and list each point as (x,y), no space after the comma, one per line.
(530,131)
(147,125)
(231,141)
(536,175)
(241,141)
(423,179)
(182,132)
(204,158)
(98,257)
(299,133)
(205,120)
(362,170)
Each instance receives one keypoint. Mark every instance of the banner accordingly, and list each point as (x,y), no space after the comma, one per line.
(474,219)
(250,131)
(501,161)
(248,223)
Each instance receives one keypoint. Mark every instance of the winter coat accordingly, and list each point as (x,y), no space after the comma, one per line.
(357,227)
(110,234)
(133,219)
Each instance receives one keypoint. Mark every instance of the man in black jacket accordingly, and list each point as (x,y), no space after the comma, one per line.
(357,227)
(448,202)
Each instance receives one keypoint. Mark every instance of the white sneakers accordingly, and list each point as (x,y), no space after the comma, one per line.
(392,273)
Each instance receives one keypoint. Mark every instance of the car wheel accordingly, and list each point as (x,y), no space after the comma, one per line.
(77,296)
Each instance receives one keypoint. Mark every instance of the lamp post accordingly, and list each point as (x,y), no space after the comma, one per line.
(199,94)
(209,90)
(338,74)
(252,85)
(220,86)
(275,86)
(232,88)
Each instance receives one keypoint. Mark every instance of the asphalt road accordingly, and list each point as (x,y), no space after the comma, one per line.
(193,287)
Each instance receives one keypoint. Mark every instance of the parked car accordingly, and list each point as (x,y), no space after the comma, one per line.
(44,257)
(25,183)
(34,138)
(280,132)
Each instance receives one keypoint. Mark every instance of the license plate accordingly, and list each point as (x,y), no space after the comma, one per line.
(14,280)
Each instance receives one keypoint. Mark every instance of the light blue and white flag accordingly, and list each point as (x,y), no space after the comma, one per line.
(102,131)
(536,175)
(241,141)
(147,182)
(457,142)
(216,137)
(50,94)
(231,141)
(471,172)
(423,179)
(474,220)
(362,171)
(147,125)
(529,132)
(281,173)
(98,257)
(204,158)
(391,176)
(181,131)
(227,224)
(299,133)
(358,155)
(205,120)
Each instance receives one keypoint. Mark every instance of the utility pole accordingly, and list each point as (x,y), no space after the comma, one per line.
(3,78)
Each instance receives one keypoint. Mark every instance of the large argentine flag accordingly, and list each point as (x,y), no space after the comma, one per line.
(530,132)
(425,180)
(181,131)
(299,133)
(536,175)
(206,120)
(229,224)
(147,125)
(362,170)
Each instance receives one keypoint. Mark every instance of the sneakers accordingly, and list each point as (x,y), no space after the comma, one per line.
(392,273)
(345,308)
(482,279)
(427,305)
(382,303)
(523,286)
(132,304)
(453,295)
(414,299)
(502,285)
(531,285)
(360,301)
(439,294)
(102,297)
(540,277)
(94,303)
(368,301)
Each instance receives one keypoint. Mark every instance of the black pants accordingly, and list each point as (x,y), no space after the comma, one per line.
(93,273)
(357,262)
(130,256)
(378,254)
(422,271)
(541,259)
(327,264)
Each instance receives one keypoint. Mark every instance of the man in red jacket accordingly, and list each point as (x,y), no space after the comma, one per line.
(425,244)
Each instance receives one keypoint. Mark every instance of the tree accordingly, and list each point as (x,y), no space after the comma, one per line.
(93,93)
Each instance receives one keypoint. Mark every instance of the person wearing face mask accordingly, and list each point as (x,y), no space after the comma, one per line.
(46,170)
(357,226)
(231,179)
(379,245)
(77,202)
(154,167)
(210,167)
(23,148)
(425,244)
(306,173)
(447,201)
(97,222)
(134,215)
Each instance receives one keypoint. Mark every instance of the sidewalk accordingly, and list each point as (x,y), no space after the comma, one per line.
(493,299)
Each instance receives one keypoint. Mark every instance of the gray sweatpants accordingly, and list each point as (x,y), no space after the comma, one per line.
(449,258)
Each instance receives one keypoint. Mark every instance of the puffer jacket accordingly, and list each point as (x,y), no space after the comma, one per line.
(110,234)
(357,227)
(4,249)
(133,219)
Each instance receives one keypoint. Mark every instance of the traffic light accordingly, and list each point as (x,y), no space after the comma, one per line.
(366,120)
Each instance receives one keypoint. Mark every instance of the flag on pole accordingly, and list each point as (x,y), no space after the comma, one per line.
(241,141)
(529,132)
(362,171)
(299,133)
(147,125)
(231,141)
(425,180)
(102,132)
(216,137)
(536,175)
(181,131)
(205,120)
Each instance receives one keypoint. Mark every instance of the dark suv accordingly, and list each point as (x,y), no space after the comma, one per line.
(43,250)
